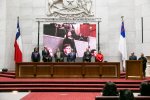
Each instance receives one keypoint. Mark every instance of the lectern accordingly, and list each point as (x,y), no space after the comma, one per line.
(134,69)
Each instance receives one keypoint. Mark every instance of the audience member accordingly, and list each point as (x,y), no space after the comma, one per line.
(145,88)
(110,89)
(144,61)
(132,57)
(126,95)
(35,57)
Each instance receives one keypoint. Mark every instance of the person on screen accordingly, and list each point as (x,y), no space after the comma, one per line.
(59,56)
(67,49)
(46,55)
(68,41)
(132,57)
(144,61)
(61,31)
(71,56)
(35,57)
(99,57)
(87,55)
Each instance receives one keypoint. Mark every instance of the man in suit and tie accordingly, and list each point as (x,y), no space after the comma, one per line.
(133,57)
(71,56)
(87,56)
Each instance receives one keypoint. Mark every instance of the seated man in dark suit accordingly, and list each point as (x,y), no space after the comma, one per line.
(59,56)
(71,56)
(35,57)
(46,55)
(87,56)
(133,57)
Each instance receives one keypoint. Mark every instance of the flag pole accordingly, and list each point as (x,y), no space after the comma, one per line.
(122,17)
(99,34)
(18,18)
(38,44)
(142,27)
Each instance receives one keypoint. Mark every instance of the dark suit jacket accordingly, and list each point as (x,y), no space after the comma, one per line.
(71,57)
(133,58)
(35,57)
(144,61)
(46,56)
(87,56)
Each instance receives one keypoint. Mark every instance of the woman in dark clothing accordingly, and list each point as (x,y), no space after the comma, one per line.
(35,57)
(46,55)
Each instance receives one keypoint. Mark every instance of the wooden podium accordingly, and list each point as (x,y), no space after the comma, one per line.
(148,66)
(134,69)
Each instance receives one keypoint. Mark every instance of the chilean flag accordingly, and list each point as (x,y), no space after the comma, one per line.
(18,45)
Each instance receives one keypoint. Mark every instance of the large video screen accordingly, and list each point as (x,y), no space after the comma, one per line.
(69,36)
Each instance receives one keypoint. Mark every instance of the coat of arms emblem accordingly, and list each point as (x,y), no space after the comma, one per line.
(74,8)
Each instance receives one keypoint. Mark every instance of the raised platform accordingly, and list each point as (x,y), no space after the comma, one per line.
(66,84)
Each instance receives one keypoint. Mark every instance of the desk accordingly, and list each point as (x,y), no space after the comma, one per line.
(66,70)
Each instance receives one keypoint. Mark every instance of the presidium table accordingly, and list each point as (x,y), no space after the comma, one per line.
(68,70)
(78,70)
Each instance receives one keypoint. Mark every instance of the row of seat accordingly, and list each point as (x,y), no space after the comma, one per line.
(110,92)
(117,98)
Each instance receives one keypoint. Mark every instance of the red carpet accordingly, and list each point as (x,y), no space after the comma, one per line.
(61,96)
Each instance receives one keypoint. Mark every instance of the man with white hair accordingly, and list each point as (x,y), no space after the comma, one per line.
(144,61)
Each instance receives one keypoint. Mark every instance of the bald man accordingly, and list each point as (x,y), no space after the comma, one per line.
(144,61)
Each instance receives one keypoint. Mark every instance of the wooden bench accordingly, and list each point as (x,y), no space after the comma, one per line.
(117,98)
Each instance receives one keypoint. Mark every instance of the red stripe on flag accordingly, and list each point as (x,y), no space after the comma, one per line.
(18,53)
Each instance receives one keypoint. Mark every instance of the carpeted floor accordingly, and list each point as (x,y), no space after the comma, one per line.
(61,96)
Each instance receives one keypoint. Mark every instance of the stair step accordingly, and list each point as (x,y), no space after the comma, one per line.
(55,81)
(66,85)
(61,89)
(7,75)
